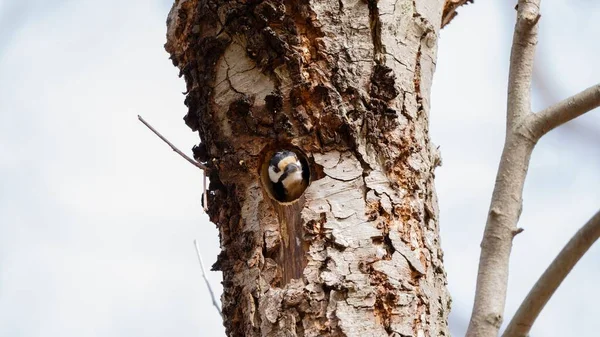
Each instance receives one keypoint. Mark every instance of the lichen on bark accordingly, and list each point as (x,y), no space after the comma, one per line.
(347,83)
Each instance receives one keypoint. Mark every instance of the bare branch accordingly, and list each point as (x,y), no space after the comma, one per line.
(548,90)
(506,204)
(521,60)
(547,284)
(522,132)
(542,122)
(192,161)
(210,290)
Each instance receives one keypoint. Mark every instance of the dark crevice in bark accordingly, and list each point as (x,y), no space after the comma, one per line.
(375,22)
(383,84)
(417,79)
(292,257)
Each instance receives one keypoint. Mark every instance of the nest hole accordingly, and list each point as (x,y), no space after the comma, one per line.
(274,190)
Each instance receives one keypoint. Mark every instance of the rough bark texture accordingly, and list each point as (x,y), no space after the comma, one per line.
(346,84)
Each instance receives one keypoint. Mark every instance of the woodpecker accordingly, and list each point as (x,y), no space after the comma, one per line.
(288,177)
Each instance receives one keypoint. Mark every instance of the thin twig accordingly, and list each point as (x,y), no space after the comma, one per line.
(547,284)
(210,290)
(204,197)
(542,122)
(192,161)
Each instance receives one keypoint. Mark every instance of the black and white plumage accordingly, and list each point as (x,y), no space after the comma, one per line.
(287,175)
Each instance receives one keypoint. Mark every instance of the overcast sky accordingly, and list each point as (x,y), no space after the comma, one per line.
(97,216)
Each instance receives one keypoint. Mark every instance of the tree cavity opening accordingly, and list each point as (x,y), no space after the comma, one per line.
(285,173)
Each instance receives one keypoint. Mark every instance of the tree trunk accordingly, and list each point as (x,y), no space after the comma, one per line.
(346,85)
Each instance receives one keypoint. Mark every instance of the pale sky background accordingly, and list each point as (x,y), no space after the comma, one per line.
(97,216)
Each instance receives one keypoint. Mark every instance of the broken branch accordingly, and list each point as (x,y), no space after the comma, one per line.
(521,59)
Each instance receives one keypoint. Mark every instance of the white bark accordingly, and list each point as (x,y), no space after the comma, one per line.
(347,83)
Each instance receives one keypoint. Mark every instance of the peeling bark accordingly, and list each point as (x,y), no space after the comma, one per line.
(450,8)
(347,84)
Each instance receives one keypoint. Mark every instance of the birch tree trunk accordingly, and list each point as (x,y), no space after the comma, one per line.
(346,84)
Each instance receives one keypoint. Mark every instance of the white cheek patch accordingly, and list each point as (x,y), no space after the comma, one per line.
(274,176)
